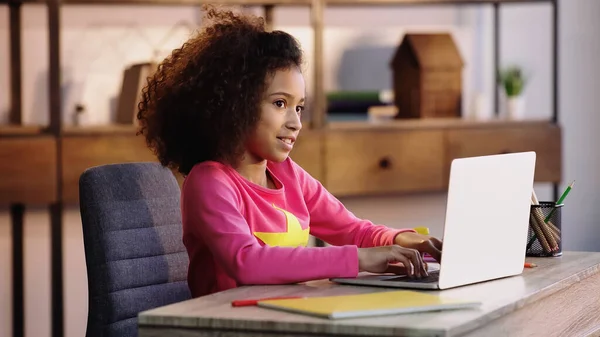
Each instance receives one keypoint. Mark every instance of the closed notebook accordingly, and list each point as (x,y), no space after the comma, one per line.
(371,304)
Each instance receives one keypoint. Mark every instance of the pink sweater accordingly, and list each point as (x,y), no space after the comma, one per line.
(239,233)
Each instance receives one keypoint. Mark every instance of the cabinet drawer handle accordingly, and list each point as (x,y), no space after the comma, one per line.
(385,163)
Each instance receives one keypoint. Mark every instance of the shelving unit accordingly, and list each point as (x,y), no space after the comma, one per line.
(387,163)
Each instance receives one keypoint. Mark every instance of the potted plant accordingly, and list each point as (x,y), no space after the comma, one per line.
(513,82)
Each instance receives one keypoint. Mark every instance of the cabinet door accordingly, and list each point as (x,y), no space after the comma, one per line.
(82,152)
(544,139)
(361,162)
(308,154)
(28,170)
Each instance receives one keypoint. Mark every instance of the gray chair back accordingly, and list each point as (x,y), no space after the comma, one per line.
(132,236)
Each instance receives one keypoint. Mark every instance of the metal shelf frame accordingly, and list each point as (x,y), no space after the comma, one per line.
(17,210)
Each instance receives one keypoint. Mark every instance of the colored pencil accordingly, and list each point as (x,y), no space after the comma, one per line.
(561,199)
(246,303)
(544,232)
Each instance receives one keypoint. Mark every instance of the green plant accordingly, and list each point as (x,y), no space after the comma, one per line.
(513,81)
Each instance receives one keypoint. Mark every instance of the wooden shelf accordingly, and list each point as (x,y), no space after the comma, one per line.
(430,123)
(420,149)
(113,129)
(26,130)
(21,130)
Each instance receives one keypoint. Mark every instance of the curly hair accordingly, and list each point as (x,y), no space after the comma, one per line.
(203,100)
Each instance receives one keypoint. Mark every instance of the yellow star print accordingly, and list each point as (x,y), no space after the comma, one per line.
(295,236)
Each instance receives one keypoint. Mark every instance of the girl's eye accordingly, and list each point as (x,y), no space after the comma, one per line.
(299,109)
(280,104)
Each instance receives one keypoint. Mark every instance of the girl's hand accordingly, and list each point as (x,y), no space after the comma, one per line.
(382,260)
(422,243)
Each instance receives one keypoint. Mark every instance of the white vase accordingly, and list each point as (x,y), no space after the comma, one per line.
(515,108)
(481,109)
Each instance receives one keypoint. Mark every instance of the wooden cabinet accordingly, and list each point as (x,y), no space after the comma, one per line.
(415,156)
(383,161)
(544,139)
(307,153)
(82,152)
(349,159)
(28,170)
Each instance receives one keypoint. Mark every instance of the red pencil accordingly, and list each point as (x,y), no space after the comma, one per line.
(530,265)
(246,303)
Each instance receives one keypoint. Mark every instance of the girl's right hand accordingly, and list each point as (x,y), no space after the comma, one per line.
(383,259)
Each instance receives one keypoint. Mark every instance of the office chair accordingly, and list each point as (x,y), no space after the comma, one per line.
(132,236)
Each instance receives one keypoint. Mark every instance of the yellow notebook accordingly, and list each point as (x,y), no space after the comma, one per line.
(371,304)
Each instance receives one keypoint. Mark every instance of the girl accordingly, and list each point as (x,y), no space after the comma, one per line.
(225,111)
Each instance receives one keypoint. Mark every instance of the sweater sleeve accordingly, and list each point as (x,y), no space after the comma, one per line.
(211,208)
(333,223)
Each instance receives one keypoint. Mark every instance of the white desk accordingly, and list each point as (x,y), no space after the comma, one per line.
(561,297)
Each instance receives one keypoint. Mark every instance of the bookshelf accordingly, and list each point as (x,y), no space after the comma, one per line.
(322,150)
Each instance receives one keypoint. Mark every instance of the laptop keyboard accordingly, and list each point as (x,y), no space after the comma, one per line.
(434,276)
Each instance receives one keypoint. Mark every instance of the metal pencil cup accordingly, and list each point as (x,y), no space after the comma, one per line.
(544,237)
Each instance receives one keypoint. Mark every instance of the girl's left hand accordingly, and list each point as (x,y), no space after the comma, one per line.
(422,243)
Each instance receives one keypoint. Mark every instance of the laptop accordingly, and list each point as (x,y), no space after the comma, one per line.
(486,224)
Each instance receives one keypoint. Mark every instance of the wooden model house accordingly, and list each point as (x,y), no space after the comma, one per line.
(427,76)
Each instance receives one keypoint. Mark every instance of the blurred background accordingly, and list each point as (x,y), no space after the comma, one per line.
(390,170)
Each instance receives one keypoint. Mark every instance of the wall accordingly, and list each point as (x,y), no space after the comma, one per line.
(99,41)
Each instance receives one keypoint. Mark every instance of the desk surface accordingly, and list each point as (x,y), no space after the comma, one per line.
(213,314)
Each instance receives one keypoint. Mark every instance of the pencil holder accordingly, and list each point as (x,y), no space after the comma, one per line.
(544,236)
